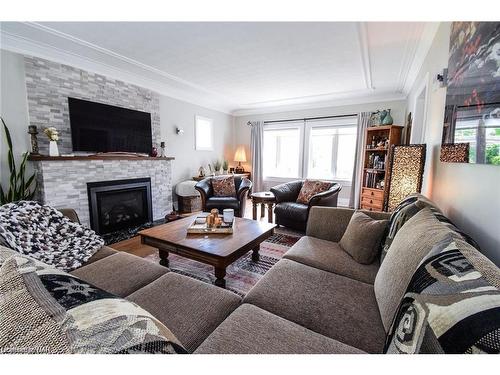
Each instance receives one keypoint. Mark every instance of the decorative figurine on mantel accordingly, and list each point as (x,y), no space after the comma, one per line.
(154,152)
(53,136)
(162,148)
(32,131)
(201,172)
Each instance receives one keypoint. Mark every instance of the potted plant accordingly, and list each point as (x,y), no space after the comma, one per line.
(225,166)
(53,136)
(19,189)
(217,166)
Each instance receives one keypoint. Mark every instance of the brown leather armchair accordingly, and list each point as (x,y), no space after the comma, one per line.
(209,201)
(292,214)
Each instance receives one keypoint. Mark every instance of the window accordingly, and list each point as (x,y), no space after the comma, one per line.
(282,152)
(204,134)
(316,149)
(332,148)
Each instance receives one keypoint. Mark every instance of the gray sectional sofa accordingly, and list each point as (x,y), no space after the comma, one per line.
(316,299)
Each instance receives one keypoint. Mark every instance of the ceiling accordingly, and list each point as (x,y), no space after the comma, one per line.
(240,67)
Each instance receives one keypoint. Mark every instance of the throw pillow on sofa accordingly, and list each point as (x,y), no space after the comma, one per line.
(44,310)
(44,233)
(311,188)
(452,304)
(412,242)
(361,240)
(224,186)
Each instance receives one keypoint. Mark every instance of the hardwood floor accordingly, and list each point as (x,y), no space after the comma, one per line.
(134,246)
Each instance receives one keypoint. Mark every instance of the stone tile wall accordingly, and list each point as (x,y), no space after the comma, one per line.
(63,184)
(49,84)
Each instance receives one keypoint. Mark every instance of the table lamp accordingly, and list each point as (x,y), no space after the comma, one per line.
(240,156)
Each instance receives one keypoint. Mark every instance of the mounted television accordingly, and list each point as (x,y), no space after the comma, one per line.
(97,127)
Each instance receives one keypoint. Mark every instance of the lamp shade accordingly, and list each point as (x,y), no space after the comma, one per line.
(240,155)
(407,168)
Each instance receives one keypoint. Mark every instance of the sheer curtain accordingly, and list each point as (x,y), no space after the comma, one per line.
(256,148)
(357,175)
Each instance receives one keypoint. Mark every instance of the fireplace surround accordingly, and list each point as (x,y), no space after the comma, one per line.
(119,204)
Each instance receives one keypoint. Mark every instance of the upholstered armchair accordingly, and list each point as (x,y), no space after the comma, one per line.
(209,201)
(292,214)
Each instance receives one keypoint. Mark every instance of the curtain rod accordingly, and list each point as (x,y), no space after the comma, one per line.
(310,118)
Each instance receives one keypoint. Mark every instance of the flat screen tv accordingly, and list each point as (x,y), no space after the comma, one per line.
(97,127)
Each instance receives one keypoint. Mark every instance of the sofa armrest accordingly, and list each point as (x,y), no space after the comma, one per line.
(287,192)
(70,214)
(245,185)
(330,223)
(326,198)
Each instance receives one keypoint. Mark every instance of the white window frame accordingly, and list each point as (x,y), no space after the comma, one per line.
(305,127)
(339,122)
(282,126)
(211,122)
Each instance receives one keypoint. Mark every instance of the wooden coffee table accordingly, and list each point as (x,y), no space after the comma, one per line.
(218,250)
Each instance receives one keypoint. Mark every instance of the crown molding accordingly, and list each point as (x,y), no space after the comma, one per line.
(426,38)
(334,100)
(118,67)
(365,54)
(37,40)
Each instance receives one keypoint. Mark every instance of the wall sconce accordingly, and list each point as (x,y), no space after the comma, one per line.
(179,131)
(406,173)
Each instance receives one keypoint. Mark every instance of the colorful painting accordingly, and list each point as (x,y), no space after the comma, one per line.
(472,112)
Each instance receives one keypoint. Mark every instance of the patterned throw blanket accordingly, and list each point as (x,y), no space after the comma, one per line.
(45,234)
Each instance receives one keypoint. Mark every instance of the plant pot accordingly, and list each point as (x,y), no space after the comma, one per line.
(53,149)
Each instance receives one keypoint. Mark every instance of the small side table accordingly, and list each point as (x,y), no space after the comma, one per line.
(263,198)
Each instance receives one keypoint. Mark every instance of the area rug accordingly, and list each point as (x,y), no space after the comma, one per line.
(243,274)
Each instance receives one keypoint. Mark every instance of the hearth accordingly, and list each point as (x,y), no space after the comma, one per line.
(119,205)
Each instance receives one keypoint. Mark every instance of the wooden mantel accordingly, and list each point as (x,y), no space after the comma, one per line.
(95,157)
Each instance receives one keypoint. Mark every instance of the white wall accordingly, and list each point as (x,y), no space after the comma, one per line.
(242,130)
(173,113)
(467,193)
(13,109)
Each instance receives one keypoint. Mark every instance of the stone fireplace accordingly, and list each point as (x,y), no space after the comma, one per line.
(64,182)
(120,204)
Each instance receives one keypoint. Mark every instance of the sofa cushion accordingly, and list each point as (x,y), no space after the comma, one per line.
(226,202)
(292,210)
(190,308)
(102,253)
(44,310)
(224,186)
(329,256)
(362,237)
(452,304)
(310,188)
(251,330)
(411,243)
(405,210)
(332,305)
(121,273)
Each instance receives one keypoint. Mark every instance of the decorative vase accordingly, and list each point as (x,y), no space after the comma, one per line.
(382,116)
(388,120)
(53,150)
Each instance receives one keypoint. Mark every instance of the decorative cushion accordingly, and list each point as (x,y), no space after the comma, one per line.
(412,242)
(45,310)
(224,186)
(45,234)
(362,237)
(452,304)
(310,188)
